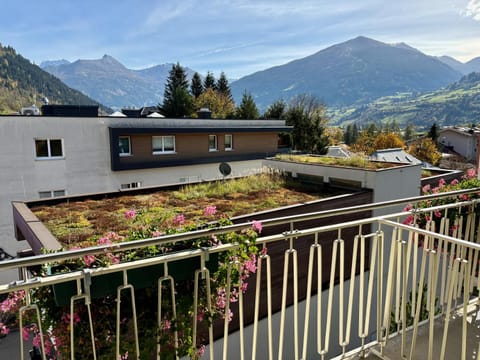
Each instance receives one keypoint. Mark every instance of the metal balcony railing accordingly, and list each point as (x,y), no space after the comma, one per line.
(401,285)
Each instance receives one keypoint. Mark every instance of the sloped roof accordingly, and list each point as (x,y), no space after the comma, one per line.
(117,114)
(395,155)
(338,151)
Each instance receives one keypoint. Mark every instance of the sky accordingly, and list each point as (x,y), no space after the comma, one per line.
(238,37)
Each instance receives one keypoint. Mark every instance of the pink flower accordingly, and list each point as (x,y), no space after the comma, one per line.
(454,182)
(471,173)
(441,182)
(4,330)
(408,220)
(257,226)
(264,251)
(36,341)
(408,207)
(221,298)
(167,324)
(426,189)
(201,351)
(179,220)
(209,210)
(114,259)
(25,333)
(130,214)
(250,265)
(464,197)
(88,260)
(437,214)
(200,316)
(104,241)
(66,318)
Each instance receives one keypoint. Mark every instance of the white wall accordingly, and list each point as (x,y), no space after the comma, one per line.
(463,143)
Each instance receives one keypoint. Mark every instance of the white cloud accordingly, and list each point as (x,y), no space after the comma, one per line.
(163,12)
(473,9)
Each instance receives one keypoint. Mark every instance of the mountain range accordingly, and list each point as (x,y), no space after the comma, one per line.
(354,72)
(111,83)
(23,83)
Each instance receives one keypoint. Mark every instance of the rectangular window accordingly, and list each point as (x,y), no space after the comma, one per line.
(51,193)
(49,148)
(212,142)
(163,144)
(132,185)
(124,146)
(228,142)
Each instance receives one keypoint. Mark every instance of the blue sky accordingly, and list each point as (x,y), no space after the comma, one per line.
(235,36)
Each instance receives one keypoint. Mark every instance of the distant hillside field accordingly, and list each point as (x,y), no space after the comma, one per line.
(458,103)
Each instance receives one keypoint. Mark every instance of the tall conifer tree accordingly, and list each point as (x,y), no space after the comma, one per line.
(177,101)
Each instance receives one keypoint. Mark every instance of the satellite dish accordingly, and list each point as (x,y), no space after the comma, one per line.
(225,169)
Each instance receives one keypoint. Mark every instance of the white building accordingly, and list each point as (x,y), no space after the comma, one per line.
(463,141)
(46,156)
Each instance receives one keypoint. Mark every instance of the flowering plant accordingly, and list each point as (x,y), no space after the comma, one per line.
(432,219)
(175,334)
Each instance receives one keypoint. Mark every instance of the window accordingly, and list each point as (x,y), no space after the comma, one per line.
(132,185)
(212,142)
(163,144)
(48,148)
(228,142)
(124,146)
(51,193)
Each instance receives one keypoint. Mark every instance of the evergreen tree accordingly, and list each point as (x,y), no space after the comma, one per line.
(177,101)
(308,117)
(354,133)
(223,87)
(433,133)
(276,110)
(409,133)
(247,108)
(196,87)
(347,135)
(209,82)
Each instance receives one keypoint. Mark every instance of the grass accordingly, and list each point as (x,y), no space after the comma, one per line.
(356,161)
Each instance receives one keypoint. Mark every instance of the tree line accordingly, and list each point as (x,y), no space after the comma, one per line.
(305,113)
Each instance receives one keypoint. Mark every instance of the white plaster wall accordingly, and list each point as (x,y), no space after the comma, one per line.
(464,144)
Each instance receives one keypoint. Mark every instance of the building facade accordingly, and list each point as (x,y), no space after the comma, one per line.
(462,141)
(47,156)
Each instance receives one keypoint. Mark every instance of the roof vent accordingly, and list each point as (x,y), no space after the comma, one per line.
(204,113)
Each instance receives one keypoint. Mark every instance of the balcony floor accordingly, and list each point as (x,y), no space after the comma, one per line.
(454,340)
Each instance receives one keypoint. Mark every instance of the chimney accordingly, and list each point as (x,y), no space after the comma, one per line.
(204,113)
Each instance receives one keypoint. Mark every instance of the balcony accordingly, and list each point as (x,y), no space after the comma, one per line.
(395,286)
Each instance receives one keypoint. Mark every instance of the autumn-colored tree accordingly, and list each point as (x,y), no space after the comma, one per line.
(425,149)
(365,143)
(334,134)
(221,105)
(388,140)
